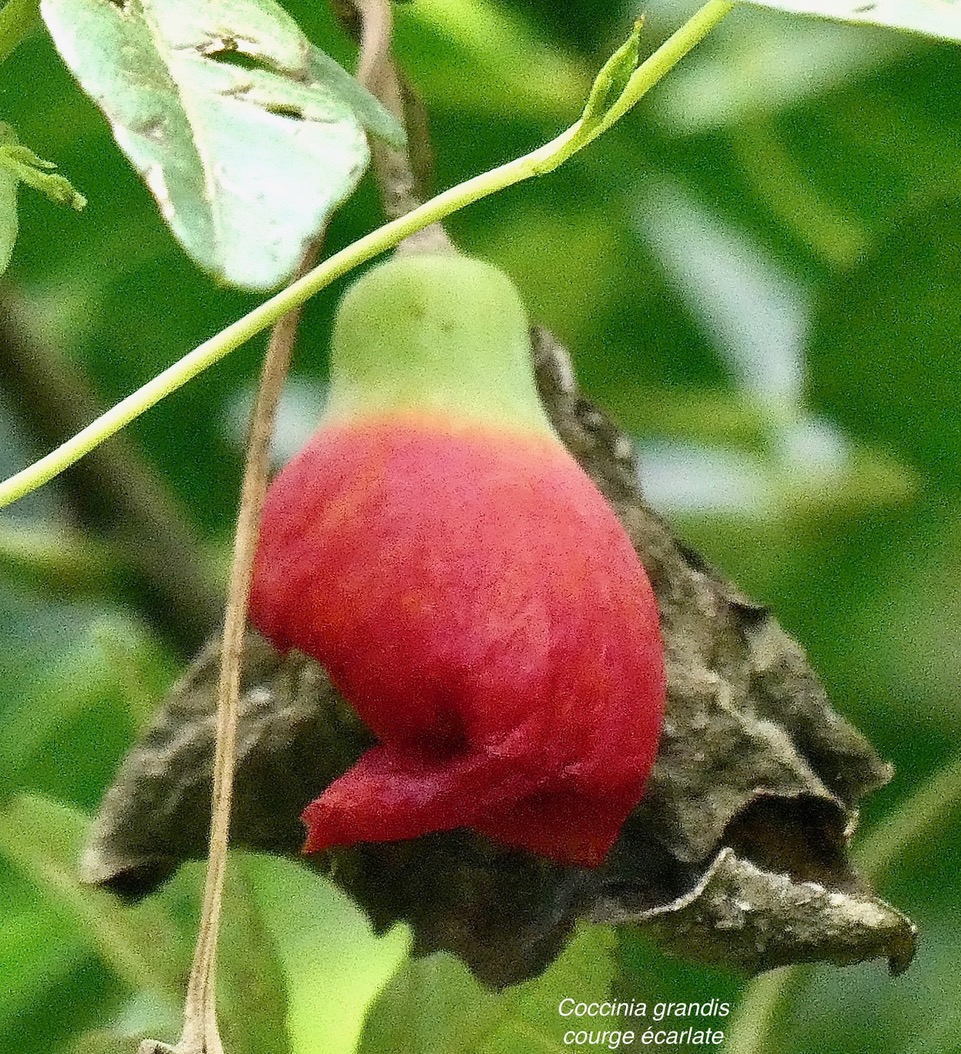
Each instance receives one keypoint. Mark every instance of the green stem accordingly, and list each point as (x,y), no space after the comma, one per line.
(667,56)
(925,812)
(544,159)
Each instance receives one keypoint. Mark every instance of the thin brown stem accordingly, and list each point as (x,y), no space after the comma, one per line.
(201,1002)
(376,28)
(396,180)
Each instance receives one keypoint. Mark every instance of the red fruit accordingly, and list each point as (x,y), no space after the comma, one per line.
(473,596)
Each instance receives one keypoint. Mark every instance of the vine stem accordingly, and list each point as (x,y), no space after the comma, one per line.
(922,814)
(542,160)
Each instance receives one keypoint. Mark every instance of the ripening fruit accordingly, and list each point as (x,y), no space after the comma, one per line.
(464,583)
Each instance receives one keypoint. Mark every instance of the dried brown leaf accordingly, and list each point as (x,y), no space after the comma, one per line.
(736,855)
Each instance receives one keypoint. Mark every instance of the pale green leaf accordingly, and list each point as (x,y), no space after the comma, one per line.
(531,1021)
(253,992)
(247,135)
(41,839)
(435,1004)
(933,18)
(430,1004)
(18,19)
(333,964)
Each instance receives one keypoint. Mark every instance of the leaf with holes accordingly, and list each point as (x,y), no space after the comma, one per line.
(246,134)
(932,18)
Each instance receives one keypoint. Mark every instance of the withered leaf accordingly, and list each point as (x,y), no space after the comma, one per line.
(736,855)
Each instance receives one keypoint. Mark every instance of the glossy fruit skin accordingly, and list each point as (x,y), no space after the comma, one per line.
(473,596)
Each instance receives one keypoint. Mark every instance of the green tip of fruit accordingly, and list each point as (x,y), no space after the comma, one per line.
(435,334)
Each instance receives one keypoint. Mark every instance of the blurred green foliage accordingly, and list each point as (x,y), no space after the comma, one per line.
(758,273)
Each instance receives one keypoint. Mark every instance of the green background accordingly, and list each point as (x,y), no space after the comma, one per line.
(759,275)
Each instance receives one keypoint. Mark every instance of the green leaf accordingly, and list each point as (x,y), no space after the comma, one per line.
(333,964)
(436,1004)
(19,164)
(612,79)
(516,67)
(42,840)
(253,991)
(147,945)
(531,1020)
(247,135)
(23,977)
(430,1004)
(24,165)
(18,19)
(932,18)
